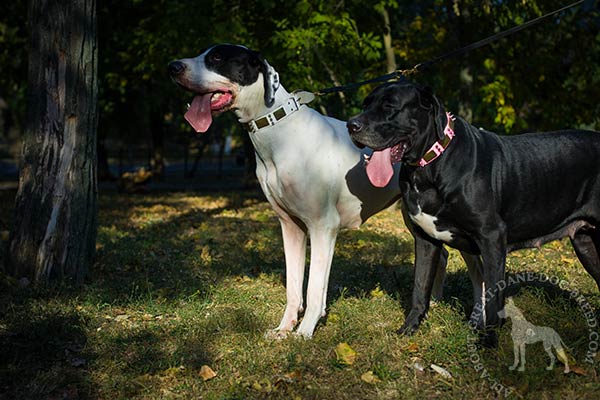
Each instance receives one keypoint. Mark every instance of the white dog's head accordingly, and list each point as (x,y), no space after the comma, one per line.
(225,77)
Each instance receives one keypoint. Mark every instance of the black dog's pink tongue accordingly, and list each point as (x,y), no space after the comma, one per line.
(199,114)
(379,168)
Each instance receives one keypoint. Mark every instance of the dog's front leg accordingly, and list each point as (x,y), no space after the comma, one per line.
(475,269)
(428,256)
(437,291)
(322,244)
(294,245)
(493,256)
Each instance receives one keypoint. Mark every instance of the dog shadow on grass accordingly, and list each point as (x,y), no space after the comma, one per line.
(365,260)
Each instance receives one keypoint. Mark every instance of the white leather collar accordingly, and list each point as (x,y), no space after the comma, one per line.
(293,104)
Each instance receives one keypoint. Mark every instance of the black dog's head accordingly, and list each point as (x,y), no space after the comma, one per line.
(399,121)
(225,77)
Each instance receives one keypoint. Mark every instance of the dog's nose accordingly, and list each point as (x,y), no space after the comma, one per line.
(354,126)
(176,68)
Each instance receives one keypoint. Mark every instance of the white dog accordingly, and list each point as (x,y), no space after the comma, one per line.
(307,166)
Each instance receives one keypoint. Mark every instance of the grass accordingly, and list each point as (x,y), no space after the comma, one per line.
(184,280)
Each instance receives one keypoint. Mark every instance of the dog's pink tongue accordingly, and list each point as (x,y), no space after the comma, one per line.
(379,168)
(199,114)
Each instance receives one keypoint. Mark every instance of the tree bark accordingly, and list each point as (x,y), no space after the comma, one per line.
(56,205)
(387,42)
(331,73)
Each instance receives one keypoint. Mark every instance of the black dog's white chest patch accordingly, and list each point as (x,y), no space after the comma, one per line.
(428,224)
(414,198)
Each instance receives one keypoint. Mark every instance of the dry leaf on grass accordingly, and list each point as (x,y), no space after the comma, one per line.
(173,371)
(412,347)
(578,370)
(377,292)
(206,373)
(370,377)
(345,354)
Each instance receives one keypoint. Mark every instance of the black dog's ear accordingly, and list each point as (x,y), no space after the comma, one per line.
(437,110)
(270,79)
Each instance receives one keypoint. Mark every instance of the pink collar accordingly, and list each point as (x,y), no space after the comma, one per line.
(439,146)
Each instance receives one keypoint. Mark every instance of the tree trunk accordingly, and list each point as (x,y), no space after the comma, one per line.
(56,205)
(387,42)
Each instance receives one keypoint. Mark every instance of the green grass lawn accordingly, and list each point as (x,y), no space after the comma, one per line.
(185,280)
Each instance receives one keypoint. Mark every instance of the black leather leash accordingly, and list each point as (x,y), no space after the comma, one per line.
(401,73)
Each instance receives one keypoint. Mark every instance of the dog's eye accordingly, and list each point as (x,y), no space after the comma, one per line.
(215,57)
(388,106)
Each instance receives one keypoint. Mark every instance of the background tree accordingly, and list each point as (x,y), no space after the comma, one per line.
(55,218)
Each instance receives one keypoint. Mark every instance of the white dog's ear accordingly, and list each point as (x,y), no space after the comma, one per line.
(271,81)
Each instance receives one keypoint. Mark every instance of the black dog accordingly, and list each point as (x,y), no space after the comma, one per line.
(481,193)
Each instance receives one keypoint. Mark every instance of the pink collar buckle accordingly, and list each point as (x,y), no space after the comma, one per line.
(438,148)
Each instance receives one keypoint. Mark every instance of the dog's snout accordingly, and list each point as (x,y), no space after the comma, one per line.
(354,126)
(176,68)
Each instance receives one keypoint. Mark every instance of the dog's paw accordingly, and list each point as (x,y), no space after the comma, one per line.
(277,334)
(408,329)
(488,339)
(300,335)
(411,324)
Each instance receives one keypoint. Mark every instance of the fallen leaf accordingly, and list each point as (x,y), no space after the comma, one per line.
(370,377)
(295,375)
(173,371)
(377,292)
(578,370)
(443,372)
(264,385)
(345,354)
(412,347)
(121,317)
(206,373)
(288,378)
